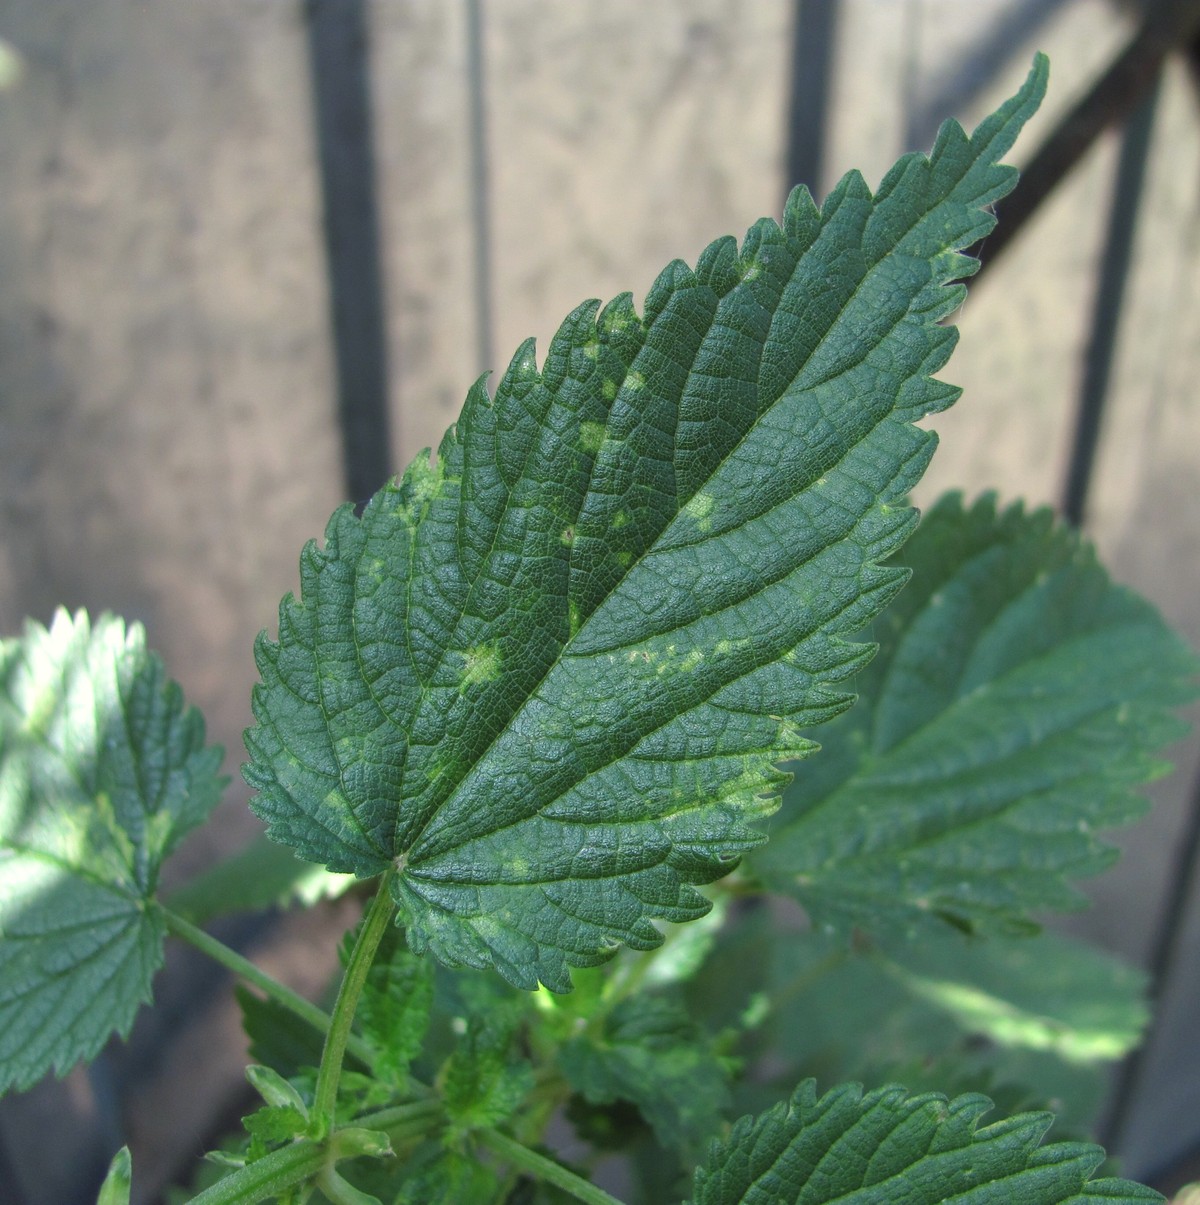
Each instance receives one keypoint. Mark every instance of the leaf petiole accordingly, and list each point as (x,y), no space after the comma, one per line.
(337,1038)
(545,1169)
(267,1177)
(245,969)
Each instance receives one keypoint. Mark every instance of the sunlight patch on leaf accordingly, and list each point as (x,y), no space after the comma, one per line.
(102,772)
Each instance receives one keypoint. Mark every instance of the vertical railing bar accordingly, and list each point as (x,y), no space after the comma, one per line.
(1109,299)
(814,34)
(339,63)
(1165,950)
(480,185)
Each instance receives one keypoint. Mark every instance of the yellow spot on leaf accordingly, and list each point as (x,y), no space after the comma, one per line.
(480,664)
(591,436)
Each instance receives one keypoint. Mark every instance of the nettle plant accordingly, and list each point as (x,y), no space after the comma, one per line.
(538,693)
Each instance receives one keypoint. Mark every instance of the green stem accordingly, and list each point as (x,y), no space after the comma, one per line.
(267,1177)
(374,926)
(403,1119)
(244,968)
(545,1169)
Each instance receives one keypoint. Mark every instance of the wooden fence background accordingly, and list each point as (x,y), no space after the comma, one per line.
(201,201)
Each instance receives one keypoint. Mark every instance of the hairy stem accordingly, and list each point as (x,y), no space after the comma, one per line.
(246,970)
(402,1120)
(544,1169)
(374,925)
(267,1177)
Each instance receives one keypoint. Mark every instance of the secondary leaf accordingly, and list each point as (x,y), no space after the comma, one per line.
(550,675)
(1017,701)
(1042,993)
(119,1181)
(394,1009)
(651,1054)
(1032,1022)
(102,771)
(887,1147)
(485,1080)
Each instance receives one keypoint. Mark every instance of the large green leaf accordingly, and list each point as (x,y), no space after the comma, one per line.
(102,771)
(550,674)
(1017,701)
(886,1147)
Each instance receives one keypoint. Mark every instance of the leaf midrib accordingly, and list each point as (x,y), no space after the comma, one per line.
(885,416)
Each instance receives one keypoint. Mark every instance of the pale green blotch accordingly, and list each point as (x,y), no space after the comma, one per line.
(423,477)
(608,390)
(675,664)
(591,436)
(634,381)
(620,519)
(480,664)
(699,508)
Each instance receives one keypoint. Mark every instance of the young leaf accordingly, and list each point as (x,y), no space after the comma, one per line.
(102,771)
(119,1181)
(889,1147)
(394,1007)
(652,1055)
(434,1175)
(1017,701)
(484,1081)
(550,675)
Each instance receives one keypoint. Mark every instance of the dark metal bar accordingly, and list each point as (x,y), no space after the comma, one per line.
(814,33)
(1109,299)
(1165,952)
(977,68)
(480,189)
(1168,26)
(338,43)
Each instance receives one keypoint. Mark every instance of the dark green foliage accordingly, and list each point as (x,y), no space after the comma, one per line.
(1017,701)
(650,1053)
(887,1147)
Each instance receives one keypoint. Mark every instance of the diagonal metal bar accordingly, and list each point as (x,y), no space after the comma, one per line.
(1166,951)
(1169,26)
(1107,304)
